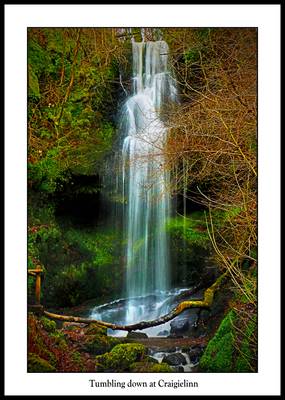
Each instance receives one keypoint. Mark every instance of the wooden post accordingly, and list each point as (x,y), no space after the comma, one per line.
(38,288)
(37,273)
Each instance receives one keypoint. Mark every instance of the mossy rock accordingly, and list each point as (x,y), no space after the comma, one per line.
(145,366)
(48,324)
(218,355)
(121,357)
(38,364)
(95,329)
(100,344)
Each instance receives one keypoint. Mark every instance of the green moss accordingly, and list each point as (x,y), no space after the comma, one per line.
(242,362)
(144,366)
(121,357)
(95,329)
(38,364)
(192,228)
(218,355)
(48,324)
(100,344)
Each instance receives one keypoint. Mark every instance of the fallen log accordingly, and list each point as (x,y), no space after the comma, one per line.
(206,302)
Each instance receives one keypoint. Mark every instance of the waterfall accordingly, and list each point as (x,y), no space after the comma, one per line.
(145,180)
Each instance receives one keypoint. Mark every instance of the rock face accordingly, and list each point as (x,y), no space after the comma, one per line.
(136,335)
(179,326)
(174,359)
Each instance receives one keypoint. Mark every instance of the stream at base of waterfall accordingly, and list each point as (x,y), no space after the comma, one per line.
(146,199)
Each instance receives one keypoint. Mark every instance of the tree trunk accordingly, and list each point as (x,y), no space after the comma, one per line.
(206,302)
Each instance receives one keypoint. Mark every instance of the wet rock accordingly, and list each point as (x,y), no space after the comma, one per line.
(179,326)
(175,359)
(136,335)
(163,333)
(170,350)
(195,354)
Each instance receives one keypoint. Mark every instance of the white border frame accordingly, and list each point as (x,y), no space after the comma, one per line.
(267,19)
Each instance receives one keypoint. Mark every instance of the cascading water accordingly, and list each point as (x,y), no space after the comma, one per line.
(145,180)
(144,183)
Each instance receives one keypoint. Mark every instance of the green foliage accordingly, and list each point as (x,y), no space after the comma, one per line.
(192,228)
(231,349)
(48,324)
(246,357)
(218,355)
(121,357)
(52,351)
(40,237)
(78,361)
(47,174)
(191,56)
(80,264)
(99,246)
(38,57)
(38,364)
(33,84)
(190,247)
(71,89)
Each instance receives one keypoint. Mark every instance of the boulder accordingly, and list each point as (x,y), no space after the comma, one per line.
(174,359)
(179,326)
(195,354)
(120,358)
(98,344)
